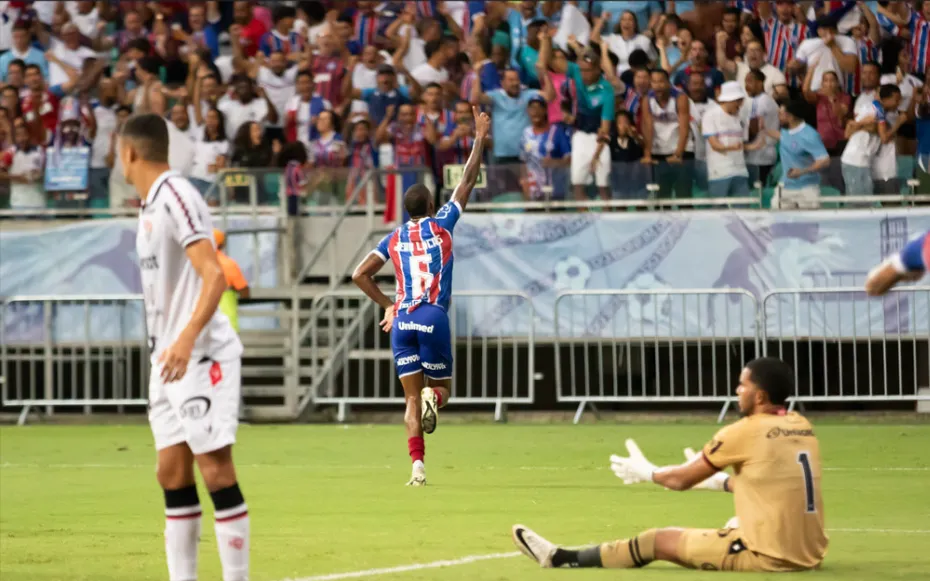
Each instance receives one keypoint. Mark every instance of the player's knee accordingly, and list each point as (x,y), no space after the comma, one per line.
(217,469)
(666,543)
(173,475)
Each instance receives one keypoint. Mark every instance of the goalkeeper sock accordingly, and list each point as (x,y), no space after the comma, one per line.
(417,448)
(627,554)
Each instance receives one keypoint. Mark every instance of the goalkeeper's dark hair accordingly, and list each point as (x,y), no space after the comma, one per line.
(774,377)
(148,134)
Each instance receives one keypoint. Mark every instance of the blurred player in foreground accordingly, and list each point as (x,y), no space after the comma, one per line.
(776,484)
(195,382)
(908,265)
(418,320)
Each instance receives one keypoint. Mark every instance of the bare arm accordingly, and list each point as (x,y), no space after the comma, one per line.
(363,277)
(473,165)
(684,124)
(647,130)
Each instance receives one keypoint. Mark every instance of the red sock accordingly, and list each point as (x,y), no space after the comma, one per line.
(417,448)
(438,393)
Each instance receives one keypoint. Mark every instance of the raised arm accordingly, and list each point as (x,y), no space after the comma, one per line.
(473,165)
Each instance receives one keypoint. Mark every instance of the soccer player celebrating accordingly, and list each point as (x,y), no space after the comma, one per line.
(776,485)
(194,386)
(910,264)
(421,252)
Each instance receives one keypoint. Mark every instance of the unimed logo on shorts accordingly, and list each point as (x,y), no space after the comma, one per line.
(415,327)
(195,408)
(408,360)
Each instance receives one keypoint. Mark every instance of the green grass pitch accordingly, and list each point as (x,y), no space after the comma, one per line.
(81,503)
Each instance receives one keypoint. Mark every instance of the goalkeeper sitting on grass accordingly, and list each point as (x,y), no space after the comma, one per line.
(775,458)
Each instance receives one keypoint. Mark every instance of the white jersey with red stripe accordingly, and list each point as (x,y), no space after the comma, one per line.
(174,216)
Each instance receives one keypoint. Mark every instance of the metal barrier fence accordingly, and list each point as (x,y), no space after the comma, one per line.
(845,346)
(652,345)
(492,369)
(73,351)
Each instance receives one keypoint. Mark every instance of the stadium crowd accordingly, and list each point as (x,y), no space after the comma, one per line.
(692,96)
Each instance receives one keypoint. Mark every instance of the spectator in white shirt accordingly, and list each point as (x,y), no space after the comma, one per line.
(725,133)
(830,52)
(101,134)
(760,111)
(211,149)
(69,52)
(247,105)
(438,54)
(624,40)
(870,129)
(753,59)
(182,122)
(22,166)
(869,84)
(365,76)
(279,83)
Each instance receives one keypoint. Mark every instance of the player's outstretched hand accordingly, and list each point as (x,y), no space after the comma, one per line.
(715,482)
(388,321)
(482,122)
(634,469)
(175,358)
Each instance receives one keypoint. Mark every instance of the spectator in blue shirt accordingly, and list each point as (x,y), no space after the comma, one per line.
(508,115)
(23,50)
(387,94)
(713,78)
(644,10)
(488,70)
(803,156)
(528,54)
(545,149)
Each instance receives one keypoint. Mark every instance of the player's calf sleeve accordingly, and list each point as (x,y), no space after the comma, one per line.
(627,554)
(417,448)
(232,532)
(182,532)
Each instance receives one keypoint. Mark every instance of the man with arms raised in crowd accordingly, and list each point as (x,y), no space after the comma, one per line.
(775,483)
(196,368)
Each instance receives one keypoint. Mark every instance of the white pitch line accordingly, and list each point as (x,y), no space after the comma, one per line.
(492,556)
(407,568)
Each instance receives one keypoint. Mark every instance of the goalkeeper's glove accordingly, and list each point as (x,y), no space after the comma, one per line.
(633,469)
(715,482)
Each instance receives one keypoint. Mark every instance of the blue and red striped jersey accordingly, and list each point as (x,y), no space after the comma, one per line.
(920,42)
(421,252)
(274,41)
(782,41)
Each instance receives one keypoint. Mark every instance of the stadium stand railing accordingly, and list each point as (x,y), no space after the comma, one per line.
(89,351)
(493,370)
(652,345)
(666,347)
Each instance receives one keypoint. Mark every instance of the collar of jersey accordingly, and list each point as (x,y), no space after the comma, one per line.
(156,186)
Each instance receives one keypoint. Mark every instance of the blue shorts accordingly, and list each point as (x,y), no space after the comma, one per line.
(422,341)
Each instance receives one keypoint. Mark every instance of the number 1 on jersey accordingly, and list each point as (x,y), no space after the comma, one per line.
(808,474)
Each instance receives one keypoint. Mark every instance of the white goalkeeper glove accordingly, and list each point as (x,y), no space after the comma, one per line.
(633,469)
(715,482)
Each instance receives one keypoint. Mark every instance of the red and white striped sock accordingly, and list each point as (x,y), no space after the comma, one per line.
(232,532)
(182,532)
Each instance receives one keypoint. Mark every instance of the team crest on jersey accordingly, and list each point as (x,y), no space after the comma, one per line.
(147,226)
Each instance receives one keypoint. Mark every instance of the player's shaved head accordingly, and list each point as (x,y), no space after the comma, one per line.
(147,135)
(774,377)
(417,201)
